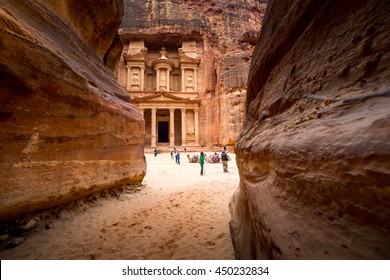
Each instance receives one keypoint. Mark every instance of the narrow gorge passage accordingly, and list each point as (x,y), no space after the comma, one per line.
(178,214)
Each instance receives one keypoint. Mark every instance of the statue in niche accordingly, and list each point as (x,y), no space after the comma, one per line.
(163,79)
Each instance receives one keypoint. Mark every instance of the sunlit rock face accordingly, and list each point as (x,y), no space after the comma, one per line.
(314,154)
(66,127)
(224,34)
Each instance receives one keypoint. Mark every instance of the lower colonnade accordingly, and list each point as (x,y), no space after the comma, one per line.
(173,126)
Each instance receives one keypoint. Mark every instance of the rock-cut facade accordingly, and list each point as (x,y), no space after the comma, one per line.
(171,69)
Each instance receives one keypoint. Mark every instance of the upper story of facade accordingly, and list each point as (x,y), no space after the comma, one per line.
(146,68)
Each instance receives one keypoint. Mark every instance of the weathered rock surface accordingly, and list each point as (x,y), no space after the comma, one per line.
(234,26)
(66,129)
(314,154)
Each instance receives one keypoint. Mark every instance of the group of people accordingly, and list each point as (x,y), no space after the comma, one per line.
(176,154)
(224,158)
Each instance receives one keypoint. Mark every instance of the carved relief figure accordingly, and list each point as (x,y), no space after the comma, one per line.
(189,83)
(135,79)
(189,80)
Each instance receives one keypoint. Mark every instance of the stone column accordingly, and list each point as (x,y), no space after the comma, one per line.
(142,78)
(168,74)
(196,112)
(157,79)
(172,127)
(128,79)
(153,128)
(195,80)
(183,127)
(182,79)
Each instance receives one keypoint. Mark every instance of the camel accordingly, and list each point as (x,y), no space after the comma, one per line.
(193,159)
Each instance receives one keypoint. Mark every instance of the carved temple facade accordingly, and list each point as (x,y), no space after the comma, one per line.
(166,83)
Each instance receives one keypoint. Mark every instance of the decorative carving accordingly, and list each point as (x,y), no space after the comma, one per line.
(189,80)
(163,79)
(141,56)
(184,58)
(135,79)
(163,53)
(163,60)
(191,130)
(144,50)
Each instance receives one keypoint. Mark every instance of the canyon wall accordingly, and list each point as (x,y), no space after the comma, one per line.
(233,33)
(314,154)
(66,126)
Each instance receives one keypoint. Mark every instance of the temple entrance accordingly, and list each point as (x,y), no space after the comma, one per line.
(163,132)
(165,126)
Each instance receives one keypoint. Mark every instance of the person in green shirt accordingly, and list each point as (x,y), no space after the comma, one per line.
(201,161)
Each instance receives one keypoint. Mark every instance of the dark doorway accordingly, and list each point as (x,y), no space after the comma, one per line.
(163,132)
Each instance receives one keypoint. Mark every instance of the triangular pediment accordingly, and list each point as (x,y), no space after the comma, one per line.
(160,97)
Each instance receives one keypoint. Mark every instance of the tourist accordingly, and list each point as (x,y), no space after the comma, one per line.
(201,161)
(225,159)
(177,157)
(155,152)
(171,154)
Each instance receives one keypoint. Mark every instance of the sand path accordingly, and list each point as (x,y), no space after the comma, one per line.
(178,214)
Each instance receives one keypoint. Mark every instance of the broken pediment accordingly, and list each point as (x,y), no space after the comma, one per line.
(141,56)
(184,58)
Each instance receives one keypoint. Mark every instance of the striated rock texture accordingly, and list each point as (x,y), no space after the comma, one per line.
(227,32)
(314,154)
(233,31)
(66,129)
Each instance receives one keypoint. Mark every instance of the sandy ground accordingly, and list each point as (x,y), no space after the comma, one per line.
(178,214)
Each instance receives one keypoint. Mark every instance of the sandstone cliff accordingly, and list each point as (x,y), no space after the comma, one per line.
(66,129)
(314,154)
(233,28)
